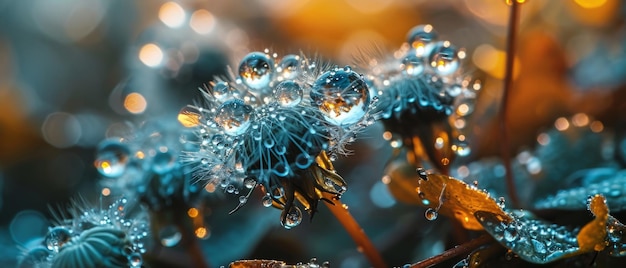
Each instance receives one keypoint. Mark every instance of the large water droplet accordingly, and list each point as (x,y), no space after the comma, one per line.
(234,117)
(57,237)
(256,70)
(444,59)
(112,157)
(288,93)
(170,236)
(421,35)
(293,218)
(510,234)
(249,183)
(342,96)
(431,214)
(412,64)
(289,66)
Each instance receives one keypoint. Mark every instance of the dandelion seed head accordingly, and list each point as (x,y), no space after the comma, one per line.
(84,236)
(275,118)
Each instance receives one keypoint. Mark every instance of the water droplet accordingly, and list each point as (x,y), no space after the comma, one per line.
(289,66)
(267,201)
(510,234)
(256,70)
(412,64)
(112,158)
(164,161)
(249,183)
(169,236)
(234,117)
(431,214)
(421,35)
(288,93)
(293,218)
(221,90)
(243,199)
(342,96)
(135,260)
(444,59)
(57,237)
(454,90)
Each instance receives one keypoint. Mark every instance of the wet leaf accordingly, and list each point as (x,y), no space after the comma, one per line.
(444,194)
(608,182)
(537,241)
(616,238)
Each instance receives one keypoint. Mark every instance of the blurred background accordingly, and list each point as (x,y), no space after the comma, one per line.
(73,71)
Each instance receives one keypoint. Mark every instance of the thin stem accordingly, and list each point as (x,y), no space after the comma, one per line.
(355,231)
(462,249)
(508,83)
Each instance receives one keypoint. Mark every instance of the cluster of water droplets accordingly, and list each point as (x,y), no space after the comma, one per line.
(531,239)
(270,120)
(93,236)
(422,82)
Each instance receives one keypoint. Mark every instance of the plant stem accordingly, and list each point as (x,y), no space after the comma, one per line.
(508,83)
(355,231)
(453,252)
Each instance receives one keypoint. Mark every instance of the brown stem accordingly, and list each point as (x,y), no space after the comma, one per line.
(508,83)
(453,252)
(363,242)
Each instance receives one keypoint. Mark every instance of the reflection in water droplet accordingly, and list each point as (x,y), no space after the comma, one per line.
(111,158)
(289,67)
(342,96)
(293,218)
(234,117)
(431,214)
(135,260)
(444,59)
(267,201)
(169,236)
(288,93)
(57,237)
(256,70)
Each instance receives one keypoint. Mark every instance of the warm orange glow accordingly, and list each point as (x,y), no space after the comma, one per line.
(172,14)
(202,232)
(105,166)
(386,179)
(580,120)
(561,124)
(151,55)
(210,188)
(387,135)
(193,212)
(188,118)
(596,126)
(493,61)
(463,109)
(106,191)
(140,155)
(202,21)
(510,2)
(590,3)
(135,103)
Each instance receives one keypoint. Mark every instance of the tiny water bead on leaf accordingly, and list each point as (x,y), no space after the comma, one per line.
(341,95)
(256,70)
(57,237)
(221,90)
(234,117)
(112,156)
(289,67)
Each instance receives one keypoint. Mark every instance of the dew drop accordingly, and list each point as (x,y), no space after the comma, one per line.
(267,201)
(234,117)
(111,158)
(256,70)
(288,93)
(243,199)
(412,64)
(289,67)
(431,214)
(169,236)
(421,35)
(444,59)
(221,90)
(293,218)
(249,183)
(135,260)
(342,96)
(56,238)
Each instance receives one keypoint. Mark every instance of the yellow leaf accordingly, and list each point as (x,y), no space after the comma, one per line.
(593,235)
(446,195)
